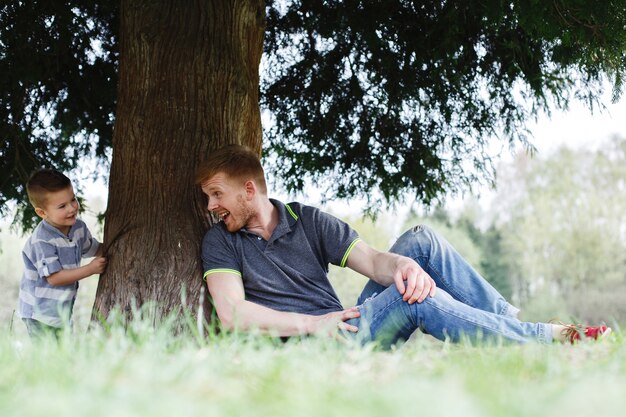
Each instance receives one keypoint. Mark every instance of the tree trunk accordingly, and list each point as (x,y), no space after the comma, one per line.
(188,84)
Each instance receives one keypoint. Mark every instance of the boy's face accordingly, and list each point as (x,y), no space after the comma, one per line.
(60,209)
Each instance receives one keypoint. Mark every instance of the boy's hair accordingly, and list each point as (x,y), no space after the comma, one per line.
(236,161)
(44,181)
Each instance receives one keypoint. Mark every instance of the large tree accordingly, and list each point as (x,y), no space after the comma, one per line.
(188,83)
(390,97)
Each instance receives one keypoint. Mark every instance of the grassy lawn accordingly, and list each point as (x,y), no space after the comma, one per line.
(147,372)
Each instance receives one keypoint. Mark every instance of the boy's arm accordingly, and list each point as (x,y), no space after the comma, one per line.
(69,276)
(235,312)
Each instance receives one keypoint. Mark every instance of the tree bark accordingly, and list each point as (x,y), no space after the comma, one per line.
(188,84)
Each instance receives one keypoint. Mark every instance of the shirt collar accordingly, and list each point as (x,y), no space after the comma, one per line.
(286,220)
(51,229)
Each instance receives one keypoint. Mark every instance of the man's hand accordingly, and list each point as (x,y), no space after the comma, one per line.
(412,281)
(328,324)
(97,265)
(389,268)
(237,313)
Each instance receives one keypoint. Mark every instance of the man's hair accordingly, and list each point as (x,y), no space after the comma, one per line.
(236,161)
(45,181)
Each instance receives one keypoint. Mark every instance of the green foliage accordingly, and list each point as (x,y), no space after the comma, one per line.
(479,249)
(390,98)
(58,62)
(403,97)
(553,239)
(158,373)
(494,265)
(563,219)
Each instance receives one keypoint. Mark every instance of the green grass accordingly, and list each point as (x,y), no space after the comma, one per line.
(148,372)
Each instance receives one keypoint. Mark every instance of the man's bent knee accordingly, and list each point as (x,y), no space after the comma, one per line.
(419,236)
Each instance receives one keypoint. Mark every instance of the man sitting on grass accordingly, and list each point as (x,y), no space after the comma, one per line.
(266,266)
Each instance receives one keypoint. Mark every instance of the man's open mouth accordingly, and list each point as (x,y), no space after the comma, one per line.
(223,215)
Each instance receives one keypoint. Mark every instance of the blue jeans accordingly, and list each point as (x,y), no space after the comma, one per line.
(464,306)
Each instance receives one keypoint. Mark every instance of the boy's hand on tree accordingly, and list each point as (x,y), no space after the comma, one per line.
(98,265)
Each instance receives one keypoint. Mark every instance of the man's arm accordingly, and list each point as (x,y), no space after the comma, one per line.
(235,312)
(390,268)
(69,276)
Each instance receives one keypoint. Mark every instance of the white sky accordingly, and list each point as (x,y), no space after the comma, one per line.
(577,127)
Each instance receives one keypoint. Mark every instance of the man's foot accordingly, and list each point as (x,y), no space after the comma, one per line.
(573,333)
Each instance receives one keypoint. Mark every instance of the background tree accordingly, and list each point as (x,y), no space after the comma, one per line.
(483,249)
(563,229)
(553,238)
(397,97)
(493,262)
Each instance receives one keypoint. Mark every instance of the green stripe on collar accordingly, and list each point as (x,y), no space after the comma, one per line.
(294,215)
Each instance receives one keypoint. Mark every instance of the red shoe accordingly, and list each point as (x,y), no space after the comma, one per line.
(573,332)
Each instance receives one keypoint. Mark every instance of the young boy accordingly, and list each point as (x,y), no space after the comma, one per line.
(53,253)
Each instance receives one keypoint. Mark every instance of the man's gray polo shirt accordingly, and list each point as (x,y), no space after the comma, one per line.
(48,251)
(290,271)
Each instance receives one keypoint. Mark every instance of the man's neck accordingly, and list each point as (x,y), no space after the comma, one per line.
(265,220)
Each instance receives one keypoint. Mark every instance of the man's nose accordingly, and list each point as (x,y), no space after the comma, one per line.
(210,205)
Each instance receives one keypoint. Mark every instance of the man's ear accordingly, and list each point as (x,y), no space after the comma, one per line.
(40,212)
(251,190)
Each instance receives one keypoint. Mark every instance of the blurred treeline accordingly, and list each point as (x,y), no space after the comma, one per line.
(552,239)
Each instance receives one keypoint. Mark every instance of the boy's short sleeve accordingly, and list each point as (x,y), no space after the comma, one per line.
(218,253)
(45,258)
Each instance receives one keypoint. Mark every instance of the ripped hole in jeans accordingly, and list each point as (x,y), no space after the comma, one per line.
(418,228)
